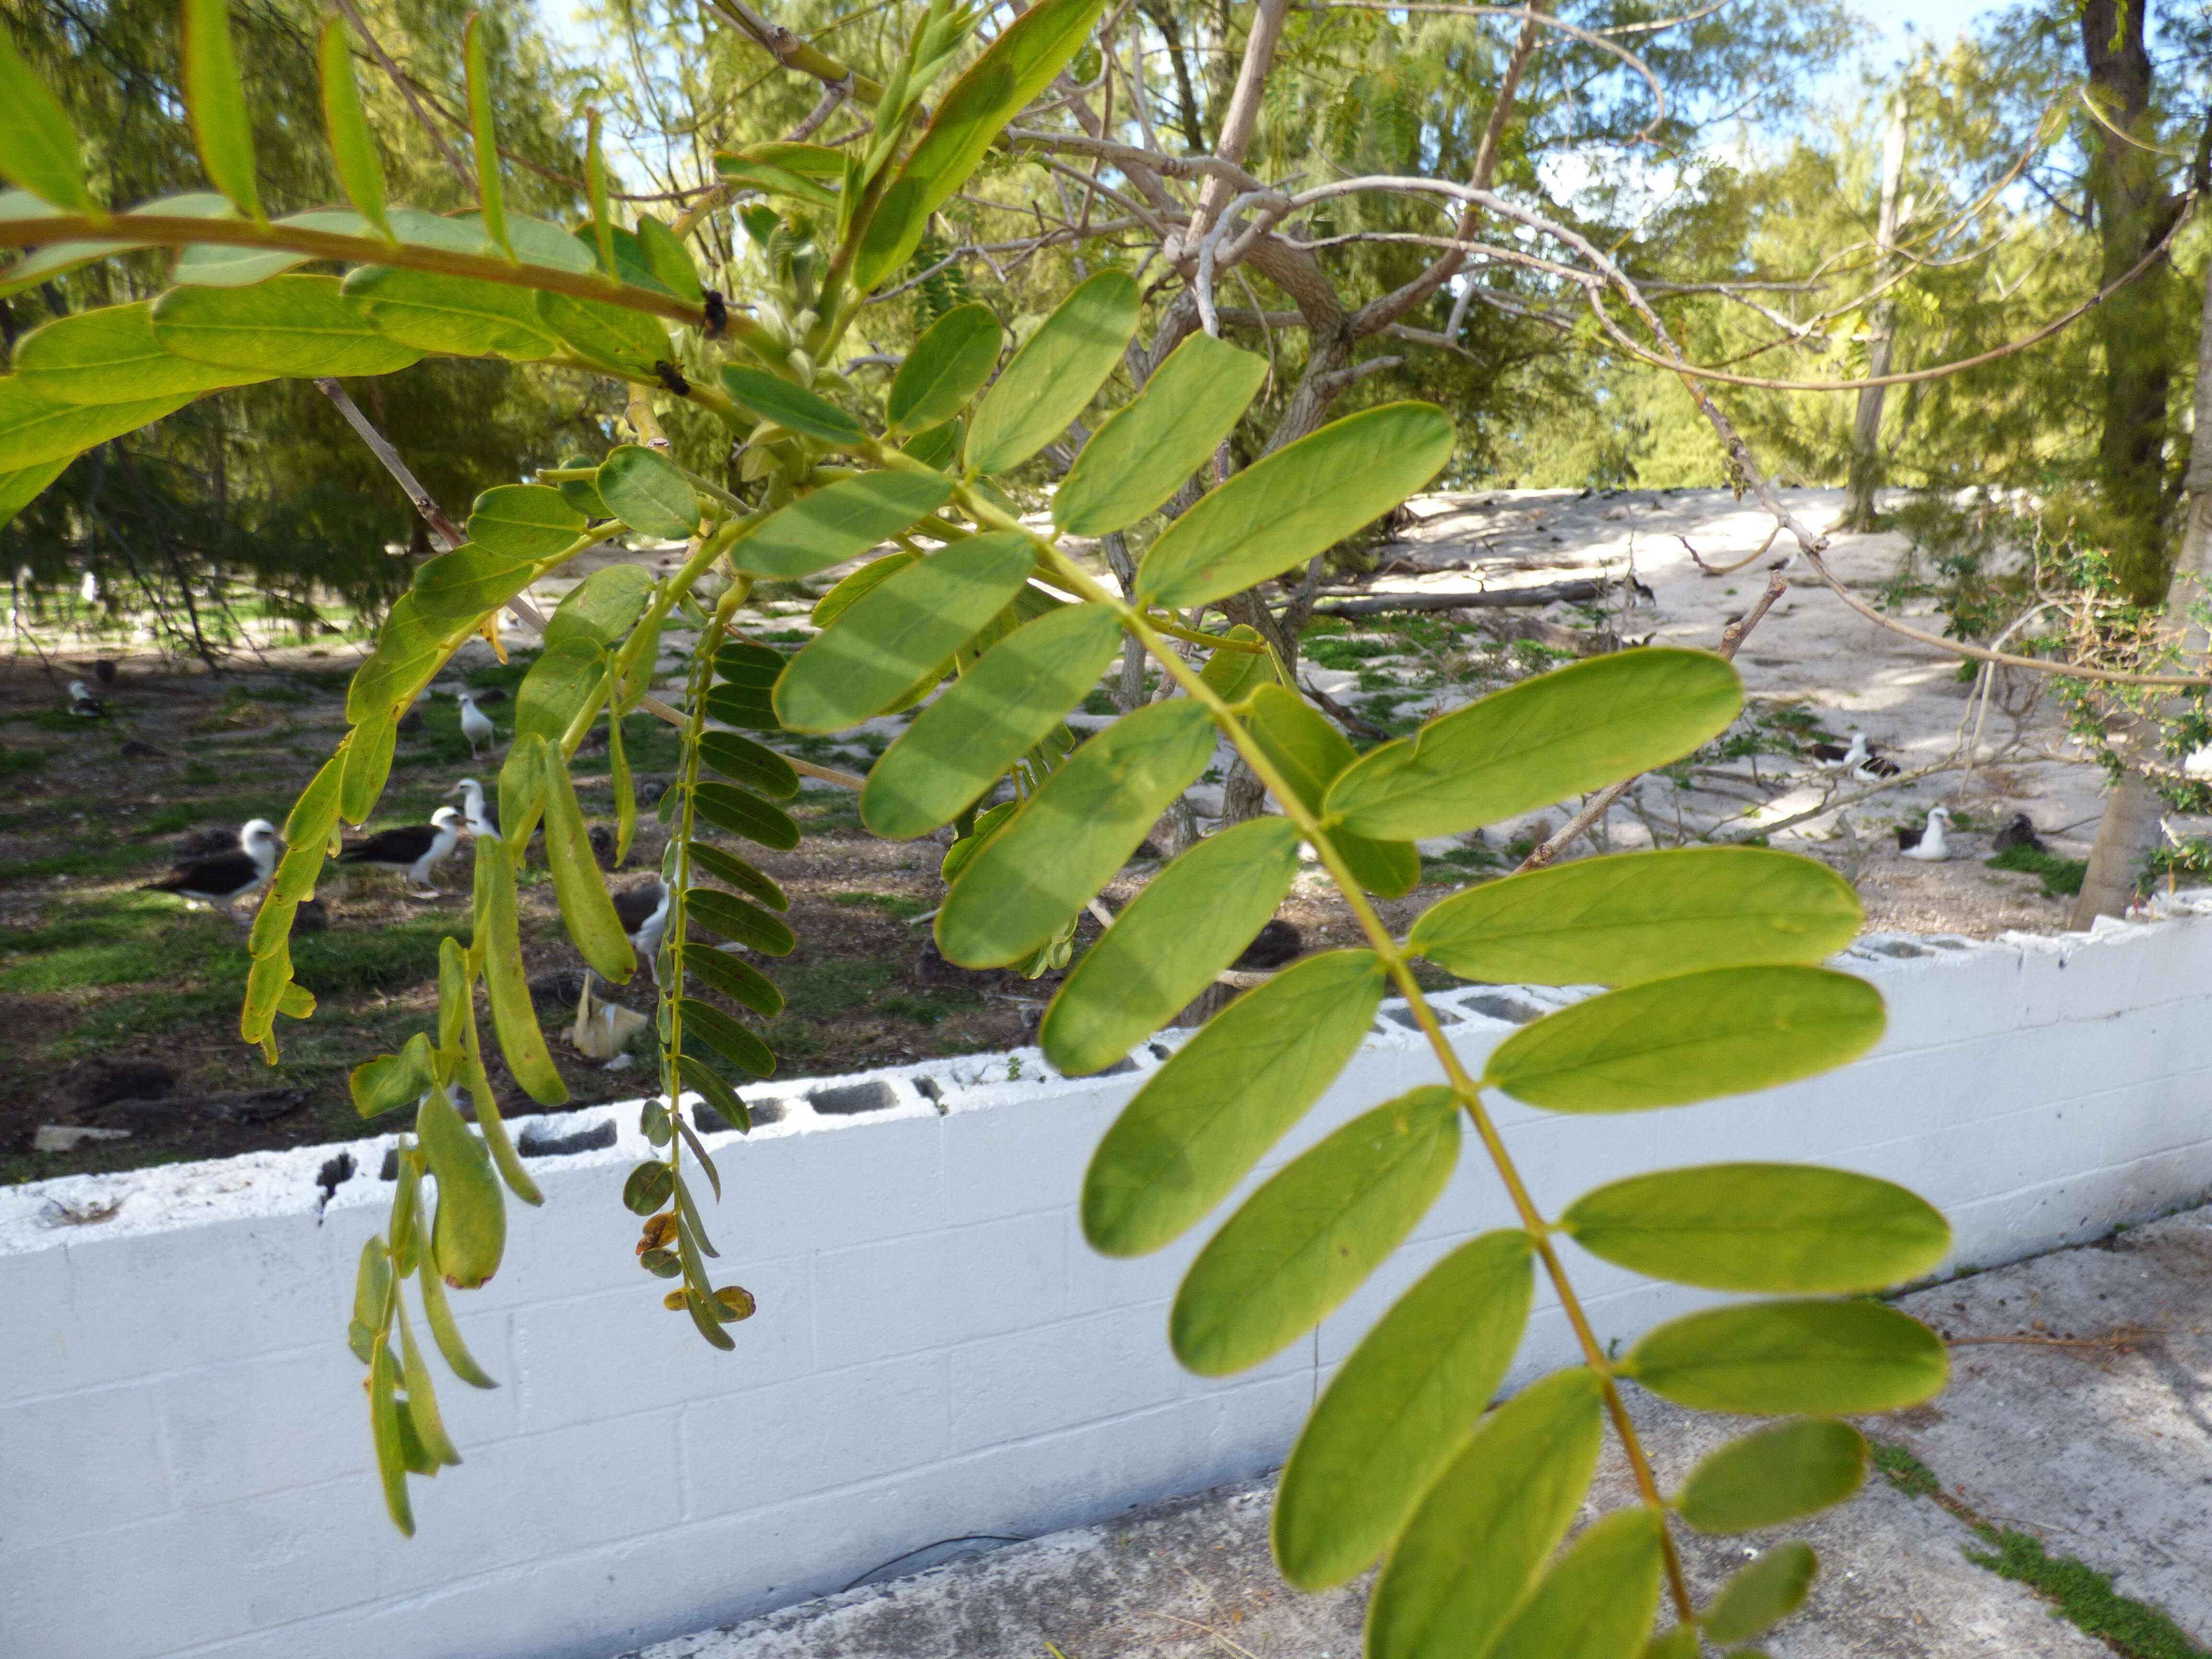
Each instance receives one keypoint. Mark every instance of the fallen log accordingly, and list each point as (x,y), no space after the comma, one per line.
(1588,588)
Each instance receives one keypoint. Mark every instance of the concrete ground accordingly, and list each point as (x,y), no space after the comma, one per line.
(2078,1414)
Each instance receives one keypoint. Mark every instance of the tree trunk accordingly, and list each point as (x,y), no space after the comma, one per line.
(2131,821)
(1866,429)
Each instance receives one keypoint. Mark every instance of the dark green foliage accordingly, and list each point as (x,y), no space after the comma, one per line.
(2062,877)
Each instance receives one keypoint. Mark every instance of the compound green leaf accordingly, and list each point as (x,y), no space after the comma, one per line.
(1464,1560)
(737,921)
(1310,752)
(1057,371)
(1642,915)
(1311,1235)
(1598,1600)
(1145,451)
(587,911)
(1770,1357)
(1188,923)
(1402,1406)
(1777,1227)
(1696,1036)
(1072,835)
(1289,506)
(995,712)
(469,581)
(740,981)
(1539,742)
(36,429)
(1773,1475)
(726,1036)
(38,141)
(1763,1594)
(899,632)
(110,356)
(741,813)
(752,764)
(646,491)
(947,368)
(216,100)
(1018,66)
(457,315)
(839,522)
(525,521)
(353,146)
(789,405)
(296,326)
(1197,1128)
(497,930)
(632,341)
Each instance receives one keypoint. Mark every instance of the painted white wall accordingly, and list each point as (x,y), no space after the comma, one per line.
(184,1466)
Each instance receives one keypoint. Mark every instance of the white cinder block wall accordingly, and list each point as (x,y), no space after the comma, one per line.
(184,1466)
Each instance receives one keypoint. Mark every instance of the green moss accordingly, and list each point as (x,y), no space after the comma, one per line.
(1904,1471)
(2085,1596)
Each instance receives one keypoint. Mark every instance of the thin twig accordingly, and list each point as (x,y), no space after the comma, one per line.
(449,534)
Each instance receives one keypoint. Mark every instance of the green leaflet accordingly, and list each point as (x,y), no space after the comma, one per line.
(613,335)
(465,583)
(522,789)
(1311,1235)
(1310,752)
(454,314)
(1696,1036)
(296,326)
(741,813)
(383,1426)
(726,1036)
(601,608)
(646,491)
(353,146)
(1290,505)
(1763,1594)
(937,447)
(1187,925)
(847,594)
(477,80)
(1143,452)
(111,356)
(1018,66)
(565,676)
(741,983)
(737,921)
(1573,730)
(1057,371)
(774,180)
(525,521)
(390,1081)
(839,522)
(1403,1404)
(1197,1128)
(947,368)
(1234,675)
(721,1099)
(586,909)
(1678,1642)
(1072,835)
(898,633)
(1464,1562)
(211,264)
(665,257)
(1598,1600)
(722,866)
(367,763)
(1762,1227)
(790,405)
(752,764)
(35,430)
(38,141)
(511,1017)
(216,100)
(1768,1357)
(995,712)
(1642,915)
(1773,1475)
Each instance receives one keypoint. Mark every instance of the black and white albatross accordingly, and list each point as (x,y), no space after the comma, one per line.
(413,849)
(225,878)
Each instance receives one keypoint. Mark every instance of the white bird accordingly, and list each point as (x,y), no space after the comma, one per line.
(1835,757)
(83,704)
(414,849)
(1927,845)
(483,817)
(227,877)
(90,588)
(476,725)
(643,912)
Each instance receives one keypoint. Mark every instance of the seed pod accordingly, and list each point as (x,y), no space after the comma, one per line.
(470,1233)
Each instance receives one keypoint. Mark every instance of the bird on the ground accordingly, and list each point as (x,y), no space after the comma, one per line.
(476,725)
(1276,944)
(2018,831)
(312,916)
(1875,767)
(89,589)
(413,849)
(1926,844)
(83,704)
(134,750)
(103,670)
(1836,756)
(206,843)
(643,912)
(483,816)
(226,878)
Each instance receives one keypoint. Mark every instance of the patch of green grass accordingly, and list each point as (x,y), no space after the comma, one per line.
(2062,877)
(824,823)
(1339,652)
(890,903)
(15,762)
(930,1010)
(1904,1471)
(821,989)
(200,774)
(374,958)
(57,720)
(108,860)
(2085,1597)
(786,636)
